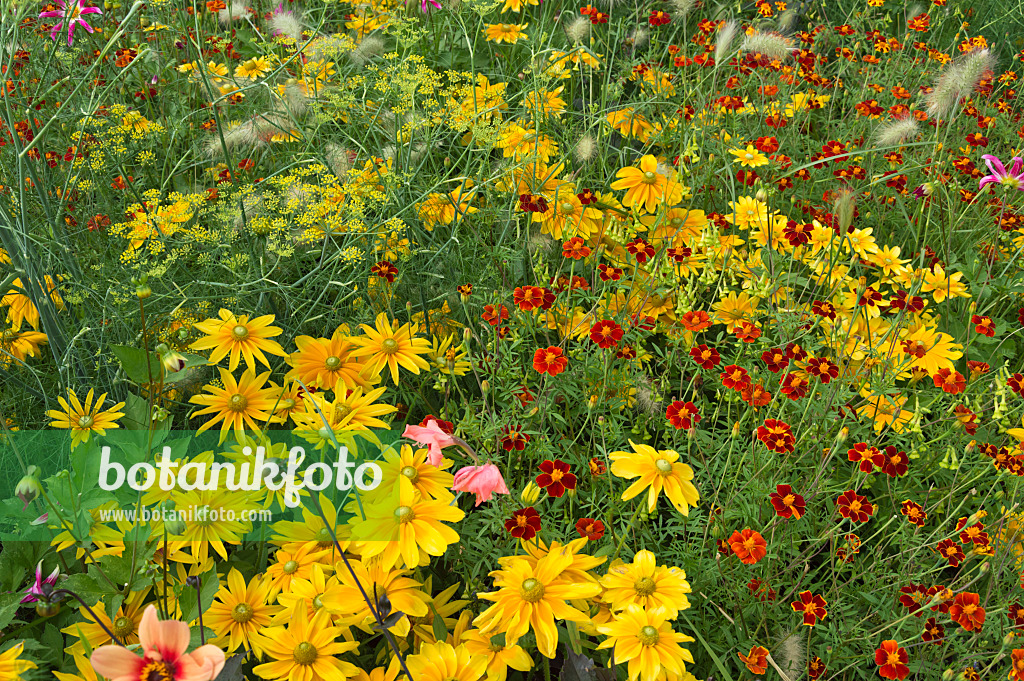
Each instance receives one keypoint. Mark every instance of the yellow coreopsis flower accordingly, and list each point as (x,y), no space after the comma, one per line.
(391,346)
(646,641)
(239,336)
(20,306)
(657,471)
(306,649)
(85,419)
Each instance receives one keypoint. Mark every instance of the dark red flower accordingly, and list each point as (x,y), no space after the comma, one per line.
(606,333)
(524,523)
(514,438)
(894,463)
(776,436)
(855,507)
(735,377)
(555,477)
(812,606)
(707,358)
(933,632)
(384,270)
(866,456)
(590,528)
(775,360)
(640,249)
(951,551)
(787,503)
(682,415)
(494,315)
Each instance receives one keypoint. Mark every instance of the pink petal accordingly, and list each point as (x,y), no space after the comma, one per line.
(1018,165)
(170,638)
(115,662)
(988,179)
(995,165)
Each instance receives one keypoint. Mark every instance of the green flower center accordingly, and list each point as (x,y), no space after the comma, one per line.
(664,467)
(317,602)
(237,403)
(239,333)
(389,346)
(650,176)
(123,626)
(291,567)
(532,590)
(333,363)
(648,636)
(304,653)
(86,421)
(644,586)
(404,514)
(323,537)
(567,207)
(242,613)
(411,473)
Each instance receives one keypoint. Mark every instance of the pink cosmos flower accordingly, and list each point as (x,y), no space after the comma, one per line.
(423,5)
(163,655)
(483,481)
(74,19)
(34,592)
(432,436)
(1011,179)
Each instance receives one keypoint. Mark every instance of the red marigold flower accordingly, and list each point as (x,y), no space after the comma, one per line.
(748,332)
(933,632)
(815,668)
(493,315)
(575,248)
(597,467)
(946,597)
(609,273)
(974,534)
(892,661)
(590,528)
(384,270)
(707,358)
(894,463)
(787,503)
(696,320)
(658,18)
(445,426)
(528,298)
(735,377)
(866,456)
(555,477)
(1016,383)
(550,360)
(626,352)
(794,386)
(1016,614)
(640,249)
(761,590)
(682,415)
(849,548)
(913,512)
(966,611)
(465,290)
(950,381)
(775,360)
(776,436)
(854,506)
(812,606)
(606,333)
(524,523)
(824,369)
(914,597)
(748,545)
(756,660)
(984,325)
(951,551)
(514,438)
(755,395)
(766,145)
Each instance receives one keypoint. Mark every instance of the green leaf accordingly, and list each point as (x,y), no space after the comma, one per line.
(718,662)
(440,630)
(9,604)
(209,586)
(191,362)
(133,361)
(195,640)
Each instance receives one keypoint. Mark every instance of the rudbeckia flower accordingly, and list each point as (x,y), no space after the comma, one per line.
(657,471)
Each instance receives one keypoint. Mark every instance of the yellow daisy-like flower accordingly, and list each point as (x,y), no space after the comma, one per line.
(941,287)
(21,308)
(929,350)
(240,611)
(499,657)
(350,410)
(403,592)
(324,362)
(412,466)
(221,520)
(749,157)
(310,592)
(443,662)
(448,358)
(647,584)
(647,642)
(734,309)
(125,625)
(645,185)
(19,345)
(238,404)
(391,346)
(82,665)
(657,471)
(11,666)
(505,33)
(886,411)
(748,213)
(305,650)
(239,336)
(566,215)
(533,597)
(254,68)
(85,419)
(405,526)
(292,565)
(312,531)
(629,123)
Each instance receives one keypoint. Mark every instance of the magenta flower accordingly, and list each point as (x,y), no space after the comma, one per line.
(73,18)
(483,481)
(1013,178)
(423,5)
(34,592)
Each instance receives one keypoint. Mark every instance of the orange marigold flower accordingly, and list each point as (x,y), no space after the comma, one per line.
(854,506)
(748,545)
(787,503)
(1016,665)
(966,611)
(707,358)
(494,315)
(951,382)
(575,248)
(606,334)
(891,661)
(682,415)
(550,360)
(696,320)
(756,660)
(866,456)
(951,551)
(812,606)
(776,436)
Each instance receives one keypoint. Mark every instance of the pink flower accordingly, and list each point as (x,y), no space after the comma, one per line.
(74,17)
(423,5)
(163,655)
(33,593)
(434,437)
(1012,179)
(483,481)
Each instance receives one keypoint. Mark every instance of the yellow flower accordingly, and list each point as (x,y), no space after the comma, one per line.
(505,33)
(444,208)
(84,420)
(941,286)
(748,212)
(448,358)
(886,411)
(240,611)
(239,336)
(442,662)
(517,5)
(82,664)
(125,624)
(253,68)
(221,522)
(499,657)
(735,309)
(566,215)
(291,565)
(647,584)
(19,345)
(645,185)
(22,309)
(533,597)
(239,404)
(545,102)
(929,350)
(647,642)
(630,124)
(305,650)
(291,535)
(657,471)
(412,466)
(11,667)
(391,347)
(403,592)
(749,157)
(861,242)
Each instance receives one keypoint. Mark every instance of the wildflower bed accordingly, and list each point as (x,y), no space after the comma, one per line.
(652,340)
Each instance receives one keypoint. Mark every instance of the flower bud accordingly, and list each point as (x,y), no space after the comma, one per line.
(736,430)
(143,291)
(485,387)
(1008,639)
(174,525)
(47,609)
(761,195)
(28,488)
(843,434)
(172,360)
(530,494)
(948,675)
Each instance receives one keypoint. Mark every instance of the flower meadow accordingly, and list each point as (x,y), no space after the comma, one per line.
(651,340)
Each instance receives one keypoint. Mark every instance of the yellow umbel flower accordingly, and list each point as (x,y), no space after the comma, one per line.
(657,471)
(239,336)
(85,419)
